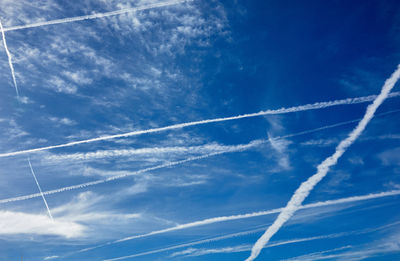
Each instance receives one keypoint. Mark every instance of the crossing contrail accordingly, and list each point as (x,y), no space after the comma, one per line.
(40,190)
(306,187)
(314,106)
(9,58)
(228,149)
(214,220)
(95,16)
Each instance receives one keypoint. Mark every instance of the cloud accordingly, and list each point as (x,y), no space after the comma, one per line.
(15,223)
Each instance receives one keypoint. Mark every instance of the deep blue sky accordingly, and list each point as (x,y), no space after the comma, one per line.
(189,62)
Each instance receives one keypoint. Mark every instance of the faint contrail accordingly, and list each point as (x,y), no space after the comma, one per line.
(228,149)
(213,220)
(94,16)
(9,58)
(40,190)
(305,188)
(314,106)
(246,248)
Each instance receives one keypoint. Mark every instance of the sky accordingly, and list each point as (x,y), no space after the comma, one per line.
(206,190)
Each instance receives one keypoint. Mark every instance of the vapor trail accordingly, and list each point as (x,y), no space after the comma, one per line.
(94,16)
(305,188)
(40,190)
(235,148)
(314,106)
(246,248)
(9,58)
(214,220)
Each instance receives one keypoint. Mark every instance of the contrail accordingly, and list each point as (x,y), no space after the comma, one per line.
(9,58)
(305,188)
(246,248)
(94,16)
(214,220)
(314,106)
(235,148)
(40,190)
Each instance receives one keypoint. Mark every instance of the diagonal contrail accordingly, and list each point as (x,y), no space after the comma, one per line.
(9,58)
(306,187)
(229,149)
(40,190)
(314,106)
(214,220)
(247,247)
(94,16)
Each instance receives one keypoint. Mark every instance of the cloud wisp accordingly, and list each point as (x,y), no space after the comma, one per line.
(95,16)
(214,220)
(306,187)
(228,149)
(314,106)
(10,63)
(40,190)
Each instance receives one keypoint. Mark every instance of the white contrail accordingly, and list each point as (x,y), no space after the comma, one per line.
(305,188)
(94,16)
(234,148)
(228,149)
(203,149)
(40,190)
(246,248)
(314,106)
(9,58)
(214,220)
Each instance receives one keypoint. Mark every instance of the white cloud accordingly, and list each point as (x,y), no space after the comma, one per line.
(14,223)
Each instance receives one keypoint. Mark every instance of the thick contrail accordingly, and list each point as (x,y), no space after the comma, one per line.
(214,220)
(305,188)
(228,149)
(9,58)
(314,106)
(40,190)
(94,16)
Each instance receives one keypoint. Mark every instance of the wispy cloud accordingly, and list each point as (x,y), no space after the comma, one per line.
(229,149)
(13,223)
(93,16)
(305,188)
(9,58)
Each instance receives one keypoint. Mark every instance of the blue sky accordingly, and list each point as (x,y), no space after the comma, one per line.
(188,62)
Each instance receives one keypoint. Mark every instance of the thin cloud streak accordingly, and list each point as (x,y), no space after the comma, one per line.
(9,58)
(94,16)
(40,190)
(314,106)
(235,148)
(214,220)
(246,248)
(306,187)
(229,149)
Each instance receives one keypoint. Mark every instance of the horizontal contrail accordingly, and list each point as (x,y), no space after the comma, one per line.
(314,106)
(214,220)
(94,16)
(307,186)
(248,247)
(228,149)
(9,58)
(40,190)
